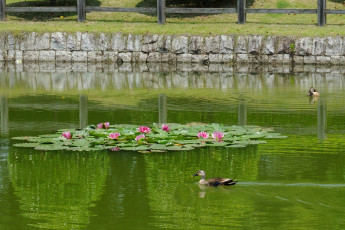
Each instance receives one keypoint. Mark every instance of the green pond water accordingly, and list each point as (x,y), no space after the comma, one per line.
(293,183)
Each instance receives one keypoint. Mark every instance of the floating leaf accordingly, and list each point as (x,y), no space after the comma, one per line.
(253,136)
(158,147)
(215,143)
(50,135)
(176,148)
(179,138)
(236,146)
(51,147)
(139,148)
(22,138)
(249,142)
(195,141)
(81,143)
(26,145)
(275,136)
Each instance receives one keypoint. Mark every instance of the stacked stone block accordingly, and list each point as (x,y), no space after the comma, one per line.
(154,48)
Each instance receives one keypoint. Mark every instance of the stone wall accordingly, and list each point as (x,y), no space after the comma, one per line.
(152,48)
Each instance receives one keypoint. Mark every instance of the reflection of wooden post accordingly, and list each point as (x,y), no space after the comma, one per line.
(321,119)
(242,112)
(4,116)
(82,111)
(161,11)
(162,108)
(81,10)
(2,10)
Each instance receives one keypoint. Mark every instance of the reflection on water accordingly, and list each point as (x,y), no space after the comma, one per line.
(321,119)
(4,116)
(83,114)
(293,183)
(173,193)
(247,78)
(56,190)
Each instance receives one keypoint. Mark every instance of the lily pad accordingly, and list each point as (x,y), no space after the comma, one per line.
(178,138)
(51,147)
(158,147)
(27,145)
(22,138)
(50,135)
(139,148)
(216,143)
(275,136)
(236,146)
(249,142)
(178,148)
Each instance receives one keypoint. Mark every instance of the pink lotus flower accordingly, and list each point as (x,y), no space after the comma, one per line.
(217,135)
(139,137)
(144,129)
(203,135)
(114,135)
(67,135)
(104,125)
(115,149)
(165,128)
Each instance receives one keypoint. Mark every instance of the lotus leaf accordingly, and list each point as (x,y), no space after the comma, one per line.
(27,145)
(48,147)
(158,147)
(249,142)
(23,138)
(275,136)
(236,146)
(178,137)
(222,143)
(178,148)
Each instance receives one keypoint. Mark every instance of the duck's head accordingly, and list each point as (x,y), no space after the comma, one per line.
(200,173)
(311,91)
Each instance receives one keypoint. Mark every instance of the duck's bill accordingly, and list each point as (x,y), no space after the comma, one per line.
(195,175)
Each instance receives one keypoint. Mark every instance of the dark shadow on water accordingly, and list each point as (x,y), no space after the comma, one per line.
(46,16)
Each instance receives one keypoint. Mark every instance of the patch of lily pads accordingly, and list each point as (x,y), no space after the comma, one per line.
(154,138)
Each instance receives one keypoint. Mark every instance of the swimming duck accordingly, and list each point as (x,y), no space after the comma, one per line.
(214,181)
(313,92)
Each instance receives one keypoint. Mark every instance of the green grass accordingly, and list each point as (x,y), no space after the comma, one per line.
(264,24)
(281,4)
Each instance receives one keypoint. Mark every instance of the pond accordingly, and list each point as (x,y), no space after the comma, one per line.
(292,183)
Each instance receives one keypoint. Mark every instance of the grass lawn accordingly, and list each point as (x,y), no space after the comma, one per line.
(264,24)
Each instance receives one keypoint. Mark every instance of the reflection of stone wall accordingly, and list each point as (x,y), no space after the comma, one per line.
(89,76)
(118,47)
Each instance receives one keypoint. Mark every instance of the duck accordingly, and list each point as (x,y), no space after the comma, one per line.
(214,181)
(313,92)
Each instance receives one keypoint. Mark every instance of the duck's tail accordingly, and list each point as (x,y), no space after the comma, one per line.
(230,182)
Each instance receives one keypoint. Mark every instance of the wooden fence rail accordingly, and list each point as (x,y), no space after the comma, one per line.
(161,10)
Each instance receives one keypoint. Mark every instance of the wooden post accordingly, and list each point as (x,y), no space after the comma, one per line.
(321,12)
(2,10)
(241,8)
(81,10)
(161,11)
